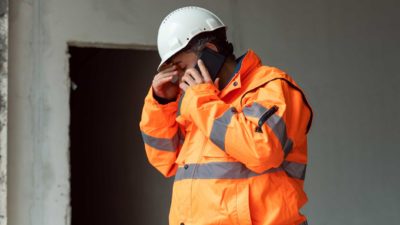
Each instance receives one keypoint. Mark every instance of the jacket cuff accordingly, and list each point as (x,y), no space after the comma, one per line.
(162,101)
(153,101)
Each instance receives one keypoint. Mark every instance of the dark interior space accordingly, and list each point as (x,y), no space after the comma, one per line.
(111,179)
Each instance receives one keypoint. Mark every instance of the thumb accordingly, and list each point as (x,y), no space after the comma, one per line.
(216,83)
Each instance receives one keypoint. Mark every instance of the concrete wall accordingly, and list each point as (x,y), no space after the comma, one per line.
(3,108)
(343,53)
(39,89)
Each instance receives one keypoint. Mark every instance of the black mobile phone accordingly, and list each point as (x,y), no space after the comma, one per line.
(213,62)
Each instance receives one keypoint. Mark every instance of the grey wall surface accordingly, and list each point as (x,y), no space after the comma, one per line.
(39,89)
(3,108)
(343,53)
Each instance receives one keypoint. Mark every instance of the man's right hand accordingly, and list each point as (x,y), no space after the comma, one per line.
(162,85)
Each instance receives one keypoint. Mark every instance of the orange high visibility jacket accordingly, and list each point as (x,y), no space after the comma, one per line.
(239,155)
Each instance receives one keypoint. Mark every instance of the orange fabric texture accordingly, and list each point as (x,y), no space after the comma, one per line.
(238,155)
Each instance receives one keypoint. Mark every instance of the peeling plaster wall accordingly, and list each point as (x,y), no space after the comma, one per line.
(3,109)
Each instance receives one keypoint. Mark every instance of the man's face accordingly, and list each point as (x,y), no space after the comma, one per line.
(183,61)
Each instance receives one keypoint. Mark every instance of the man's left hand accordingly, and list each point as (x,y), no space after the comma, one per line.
(193,77)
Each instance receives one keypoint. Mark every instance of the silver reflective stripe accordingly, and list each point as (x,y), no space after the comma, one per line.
(255,110)
(217,170)
(219,128)
(276,123)
(295,169)
(278,126)
(165,144)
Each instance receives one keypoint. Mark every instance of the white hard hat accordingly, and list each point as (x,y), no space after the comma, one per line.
(180,26)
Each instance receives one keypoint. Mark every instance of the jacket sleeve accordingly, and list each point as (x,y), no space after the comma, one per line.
(161,134)
(256,136)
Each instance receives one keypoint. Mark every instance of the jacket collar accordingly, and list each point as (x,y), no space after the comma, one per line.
(246,63)
(250,61)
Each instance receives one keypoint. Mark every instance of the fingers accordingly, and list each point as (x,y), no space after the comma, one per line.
(159,81)
(183,86)
(162,84)
(167,72)
(216,83)
(188,80)
(204,71)
(168,69)
(192,77)
(165,80)
(163,75)
(195,75)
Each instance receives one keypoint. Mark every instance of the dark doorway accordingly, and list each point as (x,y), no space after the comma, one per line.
(111,180)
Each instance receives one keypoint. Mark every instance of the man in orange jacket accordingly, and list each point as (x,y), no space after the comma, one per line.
(237,145)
